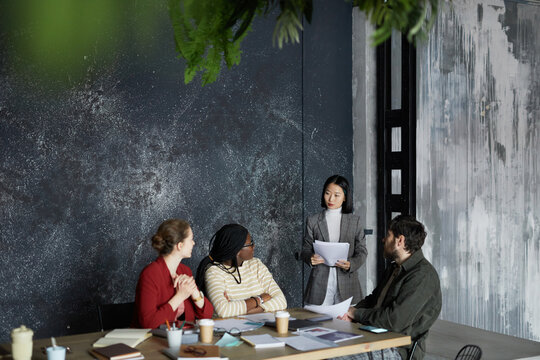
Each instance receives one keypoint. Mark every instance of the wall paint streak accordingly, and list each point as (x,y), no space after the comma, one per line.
(478,171)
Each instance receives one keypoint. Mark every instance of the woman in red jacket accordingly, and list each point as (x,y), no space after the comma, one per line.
(166,289)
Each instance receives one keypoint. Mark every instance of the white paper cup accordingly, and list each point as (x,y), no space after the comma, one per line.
(174,338)
(282,322)
(206,327)
(56,353)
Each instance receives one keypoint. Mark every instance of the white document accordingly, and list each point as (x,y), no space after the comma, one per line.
(261,317)
(306,342)
(235,326)
(331,252)
(331,310)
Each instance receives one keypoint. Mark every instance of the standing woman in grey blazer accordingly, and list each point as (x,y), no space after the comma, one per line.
(330,285)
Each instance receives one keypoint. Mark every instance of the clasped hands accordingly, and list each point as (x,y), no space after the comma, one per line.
(316,259)
(185,286)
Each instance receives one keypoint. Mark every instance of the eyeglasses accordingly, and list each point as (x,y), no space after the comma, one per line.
(195,351)
(249,245)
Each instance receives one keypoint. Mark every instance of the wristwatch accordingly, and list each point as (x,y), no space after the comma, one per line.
(261,301)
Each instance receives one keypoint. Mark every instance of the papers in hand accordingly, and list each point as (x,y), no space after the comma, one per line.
(130,337)
(331,252)
(332,310)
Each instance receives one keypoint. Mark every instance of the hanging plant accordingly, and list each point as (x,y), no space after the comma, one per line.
(208,32)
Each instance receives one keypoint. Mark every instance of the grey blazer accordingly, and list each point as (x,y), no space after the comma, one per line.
(351,231)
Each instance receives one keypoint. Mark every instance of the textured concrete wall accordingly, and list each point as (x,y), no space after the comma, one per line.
(364,94)
(88,171)
(478,166)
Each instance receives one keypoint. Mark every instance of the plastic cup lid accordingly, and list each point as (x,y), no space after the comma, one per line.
(206,322)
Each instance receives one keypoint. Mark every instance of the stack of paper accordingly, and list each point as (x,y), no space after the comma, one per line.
(262,341)
(331,252)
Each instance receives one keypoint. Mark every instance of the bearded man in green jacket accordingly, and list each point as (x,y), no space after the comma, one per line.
(408,299)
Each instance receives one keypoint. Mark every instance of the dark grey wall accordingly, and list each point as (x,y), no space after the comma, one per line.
(89,170)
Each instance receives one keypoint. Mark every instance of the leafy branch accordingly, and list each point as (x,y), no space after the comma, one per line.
(208,32)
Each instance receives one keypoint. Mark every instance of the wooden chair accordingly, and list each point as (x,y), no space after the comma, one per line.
(469,352)
(114,316)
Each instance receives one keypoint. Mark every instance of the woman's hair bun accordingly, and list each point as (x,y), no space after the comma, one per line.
(158,242)
(170,233)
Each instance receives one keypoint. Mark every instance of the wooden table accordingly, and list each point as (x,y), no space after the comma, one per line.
(151,348)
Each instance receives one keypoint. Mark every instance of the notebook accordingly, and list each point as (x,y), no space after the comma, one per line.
(117,352)
(262,341)
(130,337)
(338,336)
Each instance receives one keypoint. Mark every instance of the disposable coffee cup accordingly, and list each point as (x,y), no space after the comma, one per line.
(21,343)
(282,322)
(174,338)
(56,353)
(206,327)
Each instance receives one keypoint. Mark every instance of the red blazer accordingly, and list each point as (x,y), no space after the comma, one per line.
(155,289)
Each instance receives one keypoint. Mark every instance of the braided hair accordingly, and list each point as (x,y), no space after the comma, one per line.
(224,246)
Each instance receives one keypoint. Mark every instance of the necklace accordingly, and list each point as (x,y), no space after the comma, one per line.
(228,271)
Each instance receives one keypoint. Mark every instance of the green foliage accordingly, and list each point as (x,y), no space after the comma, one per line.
(208,32)
(411,17)
(202,37)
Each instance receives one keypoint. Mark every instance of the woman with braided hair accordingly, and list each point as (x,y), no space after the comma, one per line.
(236,282)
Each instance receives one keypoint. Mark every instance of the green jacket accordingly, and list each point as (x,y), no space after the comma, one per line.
(411,305)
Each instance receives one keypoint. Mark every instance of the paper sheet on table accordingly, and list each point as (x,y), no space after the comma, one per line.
(306,342)
(331,252)
(261,317)
(235,326)
(331,310)
(226,340)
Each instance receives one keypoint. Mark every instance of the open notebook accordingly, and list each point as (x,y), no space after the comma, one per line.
(130,337)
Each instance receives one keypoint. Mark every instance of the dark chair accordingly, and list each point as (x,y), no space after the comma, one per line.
(469,352)
(114,316)
(415,344)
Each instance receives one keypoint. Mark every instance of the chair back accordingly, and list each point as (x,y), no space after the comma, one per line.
(114,316)
(469,352)
(415,344)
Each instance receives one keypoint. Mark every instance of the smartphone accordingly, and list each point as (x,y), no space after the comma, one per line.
(373,329)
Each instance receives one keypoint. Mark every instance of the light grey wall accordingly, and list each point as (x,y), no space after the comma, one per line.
(364,96)
(478,164)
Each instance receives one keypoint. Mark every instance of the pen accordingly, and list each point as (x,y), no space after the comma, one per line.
(168,326)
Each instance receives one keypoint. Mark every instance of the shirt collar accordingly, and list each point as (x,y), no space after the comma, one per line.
(413,260)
